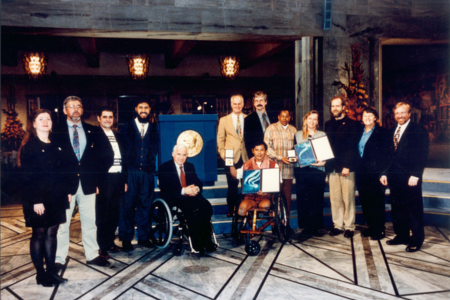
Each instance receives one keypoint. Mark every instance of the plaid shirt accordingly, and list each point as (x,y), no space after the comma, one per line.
(279,141)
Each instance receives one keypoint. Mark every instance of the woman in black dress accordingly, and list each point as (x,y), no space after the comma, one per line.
(374,150)
(44,200)
(310,181)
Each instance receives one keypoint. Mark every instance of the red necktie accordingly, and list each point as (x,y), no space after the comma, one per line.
(182,177)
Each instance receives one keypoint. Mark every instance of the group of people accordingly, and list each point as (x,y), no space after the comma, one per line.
(110,177)
(367,157)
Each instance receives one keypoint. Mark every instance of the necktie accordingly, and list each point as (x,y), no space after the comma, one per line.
(397,137)
(142,130)
(265,121)
(182,177)
(76,142)
(238,126)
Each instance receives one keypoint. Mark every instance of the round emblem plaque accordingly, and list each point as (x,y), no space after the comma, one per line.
(193,141)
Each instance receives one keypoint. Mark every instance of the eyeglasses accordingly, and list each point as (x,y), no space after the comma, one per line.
(74,106)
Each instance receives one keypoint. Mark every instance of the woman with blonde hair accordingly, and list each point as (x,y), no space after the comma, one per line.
(44,197)
(310,181)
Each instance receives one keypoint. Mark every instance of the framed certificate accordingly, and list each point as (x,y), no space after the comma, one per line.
(264,180)
(314,150)
(229,157)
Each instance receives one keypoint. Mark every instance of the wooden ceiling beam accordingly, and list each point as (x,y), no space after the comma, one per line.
(256,53)
(178,51)
(89,48)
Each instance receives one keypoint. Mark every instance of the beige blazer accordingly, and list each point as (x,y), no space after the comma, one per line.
(227,138)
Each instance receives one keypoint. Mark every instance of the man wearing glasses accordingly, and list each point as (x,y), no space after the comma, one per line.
(75,138)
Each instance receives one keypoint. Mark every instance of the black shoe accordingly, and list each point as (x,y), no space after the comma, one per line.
(335,231)
(58,267)
(412,248)
(44,280)
(126,246)
(57,279)
(99,261)
(146,243)
(378,236)
(309,231)
(104,254)
(367,233)
(397,241)
(211,247)
(349,233)
(115,249)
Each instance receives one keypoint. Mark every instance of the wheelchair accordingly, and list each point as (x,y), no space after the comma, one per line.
(257,220)
(167,222)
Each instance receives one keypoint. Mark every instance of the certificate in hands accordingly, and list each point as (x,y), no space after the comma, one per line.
(264,180)
(229,157)
(314,150)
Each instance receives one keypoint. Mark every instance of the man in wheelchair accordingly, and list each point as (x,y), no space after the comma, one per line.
(181,187)
(259,161)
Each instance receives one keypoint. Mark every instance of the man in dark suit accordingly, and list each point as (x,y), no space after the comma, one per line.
(76,139)
(111,178)
(255,124)
(142,143)
(404,176)
(181,187)
(342,133)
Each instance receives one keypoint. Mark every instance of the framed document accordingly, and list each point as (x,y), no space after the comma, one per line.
(314,150)
(229,157)
(264,180)
(292,156)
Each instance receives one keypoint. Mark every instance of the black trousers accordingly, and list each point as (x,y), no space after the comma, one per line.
(107,208)
(372,195)
(233,191)
(407,208)
(198,212)
(310,187)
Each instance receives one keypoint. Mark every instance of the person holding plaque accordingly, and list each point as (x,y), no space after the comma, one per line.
(374,146)
(230,137)
(279,138)
(310,181)
(259,161)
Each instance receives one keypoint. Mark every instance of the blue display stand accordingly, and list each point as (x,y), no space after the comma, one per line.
(170,127)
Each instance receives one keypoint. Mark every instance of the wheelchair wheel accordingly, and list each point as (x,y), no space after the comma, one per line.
(281,218)
(252,248)
(161,223)
(178,250)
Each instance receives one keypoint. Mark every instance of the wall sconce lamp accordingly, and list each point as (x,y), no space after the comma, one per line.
(35,64)
(229,66)
(138,65)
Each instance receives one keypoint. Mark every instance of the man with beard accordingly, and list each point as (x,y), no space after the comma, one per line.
(404,175)
(342,134)
(142,142)
(255,124)
(111,178)
(75,139)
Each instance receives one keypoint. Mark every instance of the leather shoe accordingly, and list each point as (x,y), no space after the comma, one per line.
(349,233)
(44,280)
(126,246)
(412,248)
(335,231)
(396,241)
(58,267)
(57,279)
(367,233)
(104,254)
(378,236)
(115,249)
(99,261)
(145,243)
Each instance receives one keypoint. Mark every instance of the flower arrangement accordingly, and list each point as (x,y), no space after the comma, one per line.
(355,94)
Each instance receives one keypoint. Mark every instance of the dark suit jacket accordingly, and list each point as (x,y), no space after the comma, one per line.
(253,131)
(129,131)
(344,139)
(75,170)
(170,184)
(378,147)
(104,154)
(412,152)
